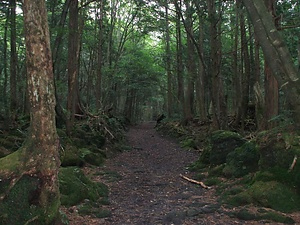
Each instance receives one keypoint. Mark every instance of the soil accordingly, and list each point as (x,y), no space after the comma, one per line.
(146,188)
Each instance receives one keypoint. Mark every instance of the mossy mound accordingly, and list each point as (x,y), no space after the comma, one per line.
(270,216)
(93,158)
(242,160)
(19,206)
(75,187)
(278,148)
(270,194)
(219,145)
(71,156)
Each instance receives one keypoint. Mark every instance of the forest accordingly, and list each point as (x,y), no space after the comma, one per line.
(75,74)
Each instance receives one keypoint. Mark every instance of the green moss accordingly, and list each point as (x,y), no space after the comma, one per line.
(188,143)
(90,157)
(20,206)
(242,160)
(245,214)
(75,187)
(276,217)
(95,210)
(220,144)
(11,162)
(217,170)
(269,194)
(71,156)
(212,181)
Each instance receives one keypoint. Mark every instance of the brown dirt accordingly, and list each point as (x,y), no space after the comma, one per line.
(150,190)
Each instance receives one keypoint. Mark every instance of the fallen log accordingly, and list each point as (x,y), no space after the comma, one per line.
(195,182)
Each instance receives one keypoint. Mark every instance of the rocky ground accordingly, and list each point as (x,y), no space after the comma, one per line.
(146,187)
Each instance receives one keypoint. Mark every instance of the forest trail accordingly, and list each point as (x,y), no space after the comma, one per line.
(151,190)
(146,188)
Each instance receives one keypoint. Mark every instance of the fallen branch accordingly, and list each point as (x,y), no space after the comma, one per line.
(195,182)
(293,163)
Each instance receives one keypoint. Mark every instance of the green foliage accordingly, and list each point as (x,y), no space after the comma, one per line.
(75,187)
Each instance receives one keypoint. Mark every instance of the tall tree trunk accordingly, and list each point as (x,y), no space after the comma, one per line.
(73,55)
(200,80)
(13,61)
(168,62)
(190,64)
(276,54)
(271,84)
(100,57)
(217,90)
(179,62)
(30,175)
(245,71)
(5,81)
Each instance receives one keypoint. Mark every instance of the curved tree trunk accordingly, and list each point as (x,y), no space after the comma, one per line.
(276,54)
(29,176)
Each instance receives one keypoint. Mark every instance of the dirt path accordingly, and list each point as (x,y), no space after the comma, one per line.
(151,190)
(146,187)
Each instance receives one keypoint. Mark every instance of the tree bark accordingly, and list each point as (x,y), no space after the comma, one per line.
(73,56)
(179,63)
(219,103)
(168,62)
(13,61)
(100,57)
(271,84)
(276,54)
(30,175)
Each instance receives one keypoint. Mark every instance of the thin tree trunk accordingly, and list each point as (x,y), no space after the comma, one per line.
(5,66)
(100,57)
(179,62)
(13,61)
(73,55)
(217,90)
(168,62)
(189,103)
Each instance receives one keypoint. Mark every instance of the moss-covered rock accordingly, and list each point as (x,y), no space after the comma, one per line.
(278,148)
(19,205)
(242,160)
(90,157)
(219,145)
(270,194)
(75,187)
(71,156)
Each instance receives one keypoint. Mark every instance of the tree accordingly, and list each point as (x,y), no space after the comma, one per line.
(13,61)
(276,54)
(30,175)
(73,57)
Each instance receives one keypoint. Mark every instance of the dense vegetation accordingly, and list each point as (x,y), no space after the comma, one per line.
(231,65)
